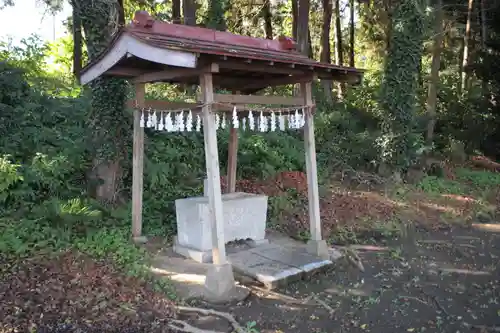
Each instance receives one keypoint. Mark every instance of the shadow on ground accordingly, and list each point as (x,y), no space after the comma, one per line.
(439,282)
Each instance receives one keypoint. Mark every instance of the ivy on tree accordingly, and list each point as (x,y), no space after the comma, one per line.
(399,142)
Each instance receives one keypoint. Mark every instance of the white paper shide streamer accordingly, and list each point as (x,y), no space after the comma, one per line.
(261,120)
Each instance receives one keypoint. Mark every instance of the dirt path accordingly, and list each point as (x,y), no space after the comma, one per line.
(440,282)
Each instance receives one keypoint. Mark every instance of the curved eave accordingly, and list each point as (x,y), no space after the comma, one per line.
(125,46)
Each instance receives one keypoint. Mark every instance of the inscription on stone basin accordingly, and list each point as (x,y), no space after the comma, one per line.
(244,217)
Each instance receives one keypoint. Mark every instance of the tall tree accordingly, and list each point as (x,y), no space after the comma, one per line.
(176,11)
(189,11)
(352,28)
(434,77)
(466,50)
(108,121)
(295,18)
(339,58)
(268,19)
(400,83)
(325,44)
(77,41)
(303,26)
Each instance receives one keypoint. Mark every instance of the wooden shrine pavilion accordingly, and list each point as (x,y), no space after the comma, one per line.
(148,51)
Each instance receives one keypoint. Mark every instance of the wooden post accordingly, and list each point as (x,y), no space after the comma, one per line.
(317,245)
(213,172)
(137,164)
(232,158)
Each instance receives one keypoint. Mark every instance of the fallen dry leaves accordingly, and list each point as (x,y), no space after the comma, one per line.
(51,295)
(358,209)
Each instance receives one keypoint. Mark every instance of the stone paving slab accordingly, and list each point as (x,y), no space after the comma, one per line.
(297,258)
(273,265)
(264,270)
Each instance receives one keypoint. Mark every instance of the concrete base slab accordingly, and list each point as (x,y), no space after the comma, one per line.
(219,283)
(268,272)
(274,265)
(140,239)
(189,278)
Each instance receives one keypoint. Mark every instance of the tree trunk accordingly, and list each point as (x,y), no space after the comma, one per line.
(295,18)
(325,45)
(483,23)
(303,26)
(352,28)
(77,42)
(176,11)
(339,59)
(121,13)
(399,88)
(434,78)
(387,23)
(189,11)
(467,39)
(110,125)
(483,37)
(268,19)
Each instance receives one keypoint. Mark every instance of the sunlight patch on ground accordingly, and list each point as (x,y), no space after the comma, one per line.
(487,227)
(460,198)
(180,277)
(463,271)
(440,208)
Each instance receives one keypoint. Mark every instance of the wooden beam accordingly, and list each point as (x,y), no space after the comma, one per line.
(213,172)
(232,156)
(270,67)
(278,81)
(124,71)
(316,246)
(232,159)
(137,164)
(170,74)
(256,99)
(164,105)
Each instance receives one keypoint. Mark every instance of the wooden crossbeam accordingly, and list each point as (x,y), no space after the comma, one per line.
(278,81)
(255,99)
(171,74)
(269,67)
(123,71)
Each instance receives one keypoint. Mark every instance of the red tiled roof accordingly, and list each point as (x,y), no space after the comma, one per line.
(211,42)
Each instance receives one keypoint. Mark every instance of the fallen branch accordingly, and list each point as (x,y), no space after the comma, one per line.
(483,328)
(440,307)
(414,298)
(353,258)
(323,304)
(182,326)
(207,312)
(276,294)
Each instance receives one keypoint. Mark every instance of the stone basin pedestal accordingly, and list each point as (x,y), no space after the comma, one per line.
(244,219)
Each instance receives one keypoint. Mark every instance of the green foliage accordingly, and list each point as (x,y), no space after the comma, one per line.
(478,179)
(215,15)
(467,182)
(437,185)
(9,173)
(399,141)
